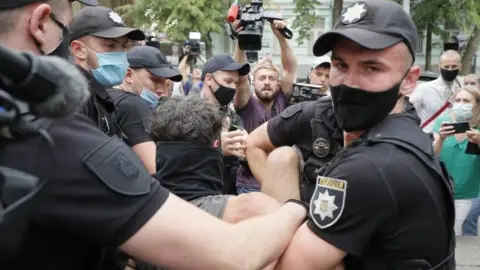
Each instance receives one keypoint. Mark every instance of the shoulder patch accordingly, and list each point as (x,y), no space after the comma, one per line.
(328,201)
(291,111)
(119,168)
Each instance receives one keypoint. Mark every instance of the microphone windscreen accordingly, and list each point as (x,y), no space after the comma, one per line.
(72,89)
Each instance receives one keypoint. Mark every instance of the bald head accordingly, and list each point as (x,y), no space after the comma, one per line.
(472,79)
(450,60)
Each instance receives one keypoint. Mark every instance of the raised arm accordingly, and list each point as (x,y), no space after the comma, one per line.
(289,61)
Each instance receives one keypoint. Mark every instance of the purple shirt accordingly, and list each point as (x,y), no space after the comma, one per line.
(254,114)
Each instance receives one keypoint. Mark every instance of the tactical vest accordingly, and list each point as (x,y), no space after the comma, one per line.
(117,96)
(327,140)
(399,133)
(106,120)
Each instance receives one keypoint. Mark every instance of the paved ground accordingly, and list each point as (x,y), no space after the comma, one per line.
(468,253)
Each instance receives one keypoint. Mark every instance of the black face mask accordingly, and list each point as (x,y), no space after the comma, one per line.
(224,94)
(63,48)
(358,109)
(449,75)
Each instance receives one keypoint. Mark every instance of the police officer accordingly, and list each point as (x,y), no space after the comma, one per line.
(98,194)
(99,44)
(220,76)
(384,201)
(135,98)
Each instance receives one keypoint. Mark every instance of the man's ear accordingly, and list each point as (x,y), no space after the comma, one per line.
(129,77)
(410,81)
(38,22)
(78,50)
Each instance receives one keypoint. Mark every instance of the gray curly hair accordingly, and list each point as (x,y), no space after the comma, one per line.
(192,119)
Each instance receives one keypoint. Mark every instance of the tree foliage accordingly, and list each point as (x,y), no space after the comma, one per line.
(177,18)
(305,17)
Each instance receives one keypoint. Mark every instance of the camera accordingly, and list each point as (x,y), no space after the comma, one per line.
(152,41)
(252,18)
(252,56)
(192,48)
(306,92)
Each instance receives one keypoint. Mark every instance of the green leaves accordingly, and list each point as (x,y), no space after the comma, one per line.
(178,18)
(305,18)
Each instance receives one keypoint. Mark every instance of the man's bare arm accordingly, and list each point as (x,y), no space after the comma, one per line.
(257,150)
(289,61)
(147,151)
(242,94)
(307,251)
(182,67)
(181,236)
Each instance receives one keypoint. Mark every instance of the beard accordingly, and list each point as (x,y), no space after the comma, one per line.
(266,94)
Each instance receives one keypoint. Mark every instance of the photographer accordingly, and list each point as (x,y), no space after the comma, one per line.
(320,73)
(192,80)
(271,94)
(316,84)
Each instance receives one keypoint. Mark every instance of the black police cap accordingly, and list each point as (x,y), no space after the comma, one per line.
(7,4)
(101,22)
(153,60)
(224,62)
(373,24)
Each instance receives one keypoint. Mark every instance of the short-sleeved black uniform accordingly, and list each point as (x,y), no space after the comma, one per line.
(100,107)
(294,126)
(379,202)
(98,194)
(133,113)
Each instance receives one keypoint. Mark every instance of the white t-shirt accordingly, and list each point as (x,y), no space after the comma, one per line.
(429,97)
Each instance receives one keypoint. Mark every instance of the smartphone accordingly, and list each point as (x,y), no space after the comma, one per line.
(460,127)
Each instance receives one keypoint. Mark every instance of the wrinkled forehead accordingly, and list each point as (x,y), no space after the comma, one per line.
(265,71)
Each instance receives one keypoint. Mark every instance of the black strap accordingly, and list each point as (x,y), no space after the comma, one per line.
(439,169)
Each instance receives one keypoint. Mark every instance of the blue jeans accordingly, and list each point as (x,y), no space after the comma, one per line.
(470,225)
(241,190)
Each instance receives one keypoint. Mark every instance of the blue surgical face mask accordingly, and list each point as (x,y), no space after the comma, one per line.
(150,97)
(146,94)
(112,67)
(463,111)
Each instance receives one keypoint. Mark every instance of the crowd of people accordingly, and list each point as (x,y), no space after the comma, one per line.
(214,168)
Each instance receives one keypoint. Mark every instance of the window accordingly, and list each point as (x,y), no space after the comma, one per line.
(420,41)
(317,30)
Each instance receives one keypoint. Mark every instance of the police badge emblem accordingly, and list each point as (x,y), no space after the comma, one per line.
(354,13)
(328,201)
(115,17)
(321,147)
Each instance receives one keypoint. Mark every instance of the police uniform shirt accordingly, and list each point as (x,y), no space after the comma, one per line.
(293,127)
(100,107)
(98,194)
(374,203)
(133,113)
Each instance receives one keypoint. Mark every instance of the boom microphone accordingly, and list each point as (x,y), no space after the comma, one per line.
(50,85)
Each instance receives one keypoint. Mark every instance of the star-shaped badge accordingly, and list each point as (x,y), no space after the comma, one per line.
(354,13)
(115,17)
(324,205)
